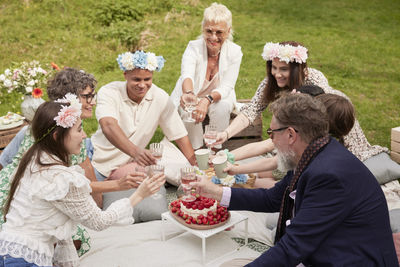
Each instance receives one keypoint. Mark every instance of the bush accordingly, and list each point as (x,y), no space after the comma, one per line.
(109,12)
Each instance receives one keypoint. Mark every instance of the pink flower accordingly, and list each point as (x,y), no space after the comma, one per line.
(67,117)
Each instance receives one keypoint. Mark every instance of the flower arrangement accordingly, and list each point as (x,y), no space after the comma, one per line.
(26,78)
(140,59)
(287,53)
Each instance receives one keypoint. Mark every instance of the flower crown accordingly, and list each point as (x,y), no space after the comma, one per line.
(141,60)
(287,53)
(68,115)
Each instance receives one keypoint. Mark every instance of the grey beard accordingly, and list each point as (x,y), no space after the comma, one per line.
(286,161)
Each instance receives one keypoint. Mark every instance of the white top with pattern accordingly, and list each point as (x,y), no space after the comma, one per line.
(355,141)
(47,205)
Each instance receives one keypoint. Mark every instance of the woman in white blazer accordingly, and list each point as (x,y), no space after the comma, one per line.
(210,67)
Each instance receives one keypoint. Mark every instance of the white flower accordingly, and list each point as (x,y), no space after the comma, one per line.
(15,83)
(28,89)
(7,72)
(127,61)
(2,77)
(31,83)
(85,246)
(7,83)
(152,62)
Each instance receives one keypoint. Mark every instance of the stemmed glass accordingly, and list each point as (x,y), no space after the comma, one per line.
(190,102)
(151,171)
(156,150)
(210,136)
(188,175)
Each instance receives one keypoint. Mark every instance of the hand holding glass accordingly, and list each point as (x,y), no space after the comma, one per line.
(156,150)
(210,136)
(190,102)
(188,175)
(151,171)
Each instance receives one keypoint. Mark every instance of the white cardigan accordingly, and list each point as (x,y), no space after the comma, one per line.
(194,66)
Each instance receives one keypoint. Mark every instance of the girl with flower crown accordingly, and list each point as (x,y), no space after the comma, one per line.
(48,196)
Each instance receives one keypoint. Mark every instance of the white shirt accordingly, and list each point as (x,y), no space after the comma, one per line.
(138,121)
(47,205)
(194,66)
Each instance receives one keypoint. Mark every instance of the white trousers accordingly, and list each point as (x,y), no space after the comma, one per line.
(219,114)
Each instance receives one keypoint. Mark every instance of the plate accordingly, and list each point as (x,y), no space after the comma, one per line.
(11,125)
(197,226)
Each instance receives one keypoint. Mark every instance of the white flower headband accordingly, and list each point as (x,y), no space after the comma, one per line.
(287,53)
(141,60)
(68,115)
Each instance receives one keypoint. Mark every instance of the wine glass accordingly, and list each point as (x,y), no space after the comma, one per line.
(188,175)
(156,150)
(190,102)
(150,171)
(210,136)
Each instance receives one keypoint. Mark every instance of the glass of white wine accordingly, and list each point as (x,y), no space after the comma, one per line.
(190,102)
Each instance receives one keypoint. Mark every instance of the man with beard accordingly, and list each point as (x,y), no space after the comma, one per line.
(332,210)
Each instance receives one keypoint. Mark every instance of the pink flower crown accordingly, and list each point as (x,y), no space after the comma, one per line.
(287,53)
(68,115)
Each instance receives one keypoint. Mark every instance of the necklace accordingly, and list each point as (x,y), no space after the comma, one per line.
(215,55)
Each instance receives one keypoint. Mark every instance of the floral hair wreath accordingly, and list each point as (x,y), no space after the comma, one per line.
(287,53)
(141,60)
(68,115)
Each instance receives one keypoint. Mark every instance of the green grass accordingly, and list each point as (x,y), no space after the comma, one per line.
(356,44)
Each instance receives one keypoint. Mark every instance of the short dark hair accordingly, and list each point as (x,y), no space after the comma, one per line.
(69,80)
(302,112)
(341,115)
(310,89)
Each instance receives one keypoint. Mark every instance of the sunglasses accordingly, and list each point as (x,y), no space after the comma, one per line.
(89,97)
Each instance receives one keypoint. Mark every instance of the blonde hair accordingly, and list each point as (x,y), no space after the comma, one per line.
(218,13)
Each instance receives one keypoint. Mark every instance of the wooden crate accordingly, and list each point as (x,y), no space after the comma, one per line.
(395,156)
(7,135)
(396,134)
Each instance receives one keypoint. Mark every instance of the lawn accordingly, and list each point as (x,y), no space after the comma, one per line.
(356,44)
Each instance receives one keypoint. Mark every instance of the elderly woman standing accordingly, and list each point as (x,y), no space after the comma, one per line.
(210,67)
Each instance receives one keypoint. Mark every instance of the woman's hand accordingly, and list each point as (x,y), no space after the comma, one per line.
(232,169)
(150,185)
(201,110)
(221,138)
(132,180)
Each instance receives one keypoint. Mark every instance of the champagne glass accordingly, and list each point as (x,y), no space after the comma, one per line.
(156,150)
(190,102)
(210,136)
(188,175)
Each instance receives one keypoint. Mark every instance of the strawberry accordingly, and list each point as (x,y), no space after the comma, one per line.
(200,217)
(205,221)
(199,221)
(212,223)
(214,219)
(181,213)
(194,220)
(218,217)
(194,207)
(210,218)
(197,195)
(223,219)
(210,213)
(188,221)
(173,209)
(214,213)
(184,216)
(200,207)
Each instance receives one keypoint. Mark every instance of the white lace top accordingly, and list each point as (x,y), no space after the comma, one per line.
(45,210)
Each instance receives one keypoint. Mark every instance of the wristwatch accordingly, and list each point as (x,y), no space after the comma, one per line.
(210,98)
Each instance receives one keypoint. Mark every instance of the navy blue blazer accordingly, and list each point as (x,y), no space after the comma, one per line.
(341,216)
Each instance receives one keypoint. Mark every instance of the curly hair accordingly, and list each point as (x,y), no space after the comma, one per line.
(69,80)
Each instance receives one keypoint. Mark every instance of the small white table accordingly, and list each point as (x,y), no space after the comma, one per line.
(235,218)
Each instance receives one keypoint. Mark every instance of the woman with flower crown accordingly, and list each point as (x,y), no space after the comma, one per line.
(82,86)
(210,68)
(287,70)
(48,196)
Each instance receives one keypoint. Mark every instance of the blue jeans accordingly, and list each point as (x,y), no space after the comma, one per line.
(8,261)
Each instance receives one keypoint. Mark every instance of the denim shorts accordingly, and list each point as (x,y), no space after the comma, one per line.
(8,261)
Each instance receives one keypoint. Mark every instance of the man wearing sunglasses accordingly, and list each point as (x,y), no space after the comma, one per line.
(332,210)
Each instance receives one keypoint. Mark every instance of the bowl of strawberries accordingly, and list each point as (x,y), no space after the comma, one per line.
(201,214)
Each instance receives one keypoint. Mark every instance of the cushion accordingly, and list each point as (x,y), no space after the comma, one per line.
(396,240)
(383,168)
(148,209)
(395,220)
